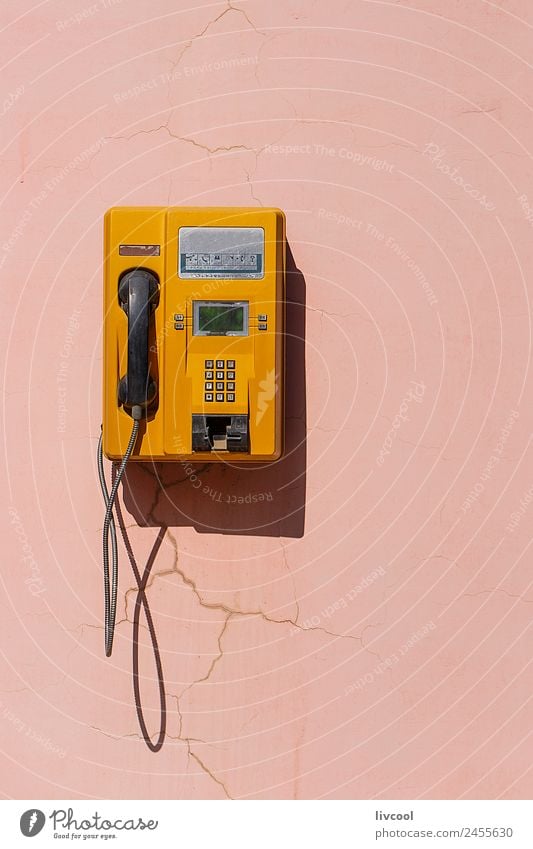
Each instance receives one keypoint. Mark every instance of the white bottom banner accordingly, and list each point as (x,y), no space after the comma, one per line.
(352,824)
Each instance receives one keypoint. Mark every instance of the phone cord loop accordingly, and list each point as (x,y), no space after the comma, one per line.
(111,587)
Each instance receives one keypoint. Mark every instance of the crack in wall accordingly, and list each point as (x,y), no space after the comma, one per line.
(291,576)
(180,738)
(370,651)
(208,771)
(165,126)
(229,614)
(496,590)
(233,612)
(189,140)
(217,658)
(188,740)
(229,8)
(251,185)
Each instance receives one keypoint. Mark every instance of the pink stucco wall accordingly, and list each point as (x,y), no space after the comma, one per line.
(384,652)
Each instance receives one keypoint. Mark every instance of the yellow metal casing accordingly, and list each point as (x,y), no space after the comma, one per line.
(149,238)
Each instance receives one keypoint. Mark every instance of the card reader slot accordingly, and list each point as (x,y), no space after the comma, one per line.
(220,433)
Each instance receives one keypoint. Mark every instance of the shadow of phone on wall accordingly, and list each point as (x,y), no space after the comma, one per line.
(228,498)
(224,498)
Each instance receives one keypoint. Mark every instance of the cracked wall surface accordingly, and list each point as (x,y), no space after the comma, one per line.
(352,622)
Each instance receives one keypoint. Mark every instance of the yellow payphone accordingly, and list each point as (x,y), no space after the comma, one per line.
(193,367)
(193,332)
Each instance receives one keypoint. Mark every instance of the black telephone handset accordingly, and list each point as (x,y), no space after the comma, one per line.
(138,294)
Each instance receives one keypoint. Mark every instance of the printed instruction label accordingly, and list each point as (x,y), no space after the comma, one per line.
(221,252)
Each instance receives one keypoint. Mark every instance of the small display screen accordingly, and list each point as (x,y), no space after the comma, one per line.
(228,318)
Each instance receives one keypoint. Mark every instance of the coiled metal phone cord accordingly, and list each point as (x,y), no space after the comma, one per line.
(111,586)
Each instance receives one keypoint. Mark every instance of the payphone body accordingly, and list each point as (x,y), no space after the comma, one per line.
(214,334)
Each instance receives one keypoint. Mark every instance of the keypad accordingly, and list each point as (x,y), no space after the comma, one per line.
(223,383)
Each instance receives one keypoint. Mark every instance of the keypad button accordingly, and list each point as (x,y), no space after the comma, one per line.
(178,316)
(209,363)
(220,375)
(220,385)
(262,317)
(208,396)
(209,386)
(209,375)
(231,375)
(178,325)
(230,363)
(220,396)
(230,386)
(261,327)
(220,363)
(230,396)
